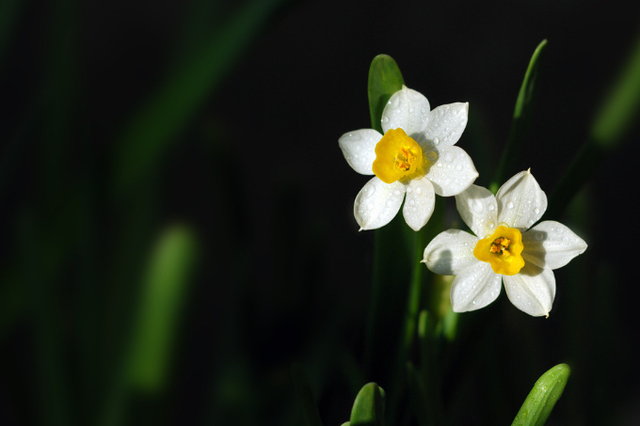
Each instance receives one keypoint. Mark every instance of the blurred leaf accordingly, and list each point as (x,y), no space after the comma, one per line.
(385,79)
(9,13)
(162,298)
(147,138)
(305,395)
(618,115)
(418,395)
(543,397)
(521,116)
(368,408)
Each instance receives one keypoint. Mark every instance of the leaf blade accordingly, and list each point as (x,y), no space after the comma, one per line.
(543,397)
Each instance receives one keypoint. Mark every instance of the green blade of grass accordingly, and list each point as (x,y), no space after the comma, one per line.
(162,299)
(617,116)
(147,138)
(521,116)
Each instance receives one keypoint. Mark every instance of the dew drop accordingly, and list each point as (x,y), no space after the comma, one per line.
(436,141)
(368,192)
(419,190)
(510,204)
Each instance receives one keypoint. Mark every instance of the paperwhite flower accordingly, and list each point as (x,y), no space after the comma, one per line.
(416,156)
(504,248)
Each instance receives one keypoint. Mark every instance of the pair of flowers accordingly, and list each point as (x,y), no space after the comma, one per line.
(415,159)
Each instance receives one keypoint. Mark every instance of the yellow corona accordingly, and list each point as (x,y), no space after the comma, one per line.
(502,250)
(398,157)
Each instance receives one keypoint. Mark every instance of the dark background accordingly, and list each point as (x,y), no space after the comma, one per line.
(253,169)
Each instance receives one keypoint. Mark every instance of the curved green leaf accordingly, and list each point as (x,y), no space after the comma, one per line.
(161,305)
(385,79)
(521,115)
(543,397)
(368,408)
(617,116)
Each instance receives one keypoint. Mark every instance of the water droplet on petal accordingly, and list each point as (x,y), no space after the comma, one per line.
(510,204)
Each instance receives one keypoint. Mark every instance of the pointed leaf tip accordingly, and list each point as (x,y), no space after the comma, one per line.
(385,79)
(368,408)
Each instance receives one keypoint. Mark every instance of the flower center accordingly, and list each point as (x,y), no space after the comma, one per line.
(398,157)
(502,250)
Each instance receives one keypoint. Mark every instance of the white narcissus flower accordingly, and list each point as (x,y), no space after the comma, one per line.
(504,249)
(416,156)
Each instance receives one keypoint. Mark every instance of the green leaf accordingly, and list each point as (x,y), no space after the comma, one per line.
(394,264)
(385,79)
(368,408)
(543,397)
(161,304)
(148,137)
(611,125)
(521,115)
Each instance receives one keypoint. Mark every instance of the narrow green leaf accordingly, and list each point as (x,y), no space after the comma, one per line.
(305,395)
(394,264)
(521,115)
(385,79)
(418,399)
(393,244)
(368,408)
(10,11)
(146,141)
(162,300)
(543,397)
(617,116)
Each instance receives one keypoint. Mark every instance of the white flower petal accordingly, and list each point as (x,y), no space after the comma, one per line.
(377,203)
(446,123)
(420,202)
(408,110)
(452,172)
(450,252)
(521,202)
(475,287)
(551,244)
(359,149)
(532,290)
(479,210)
